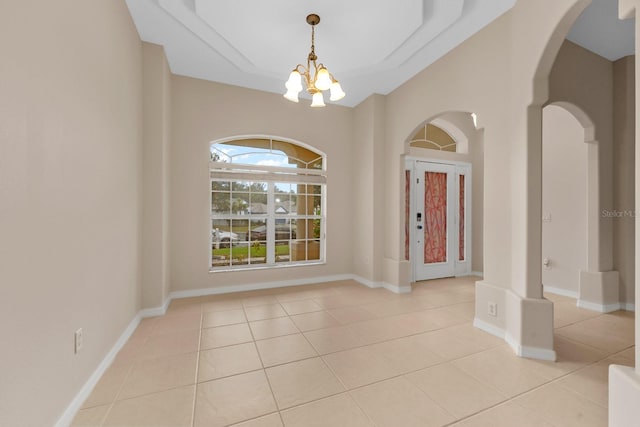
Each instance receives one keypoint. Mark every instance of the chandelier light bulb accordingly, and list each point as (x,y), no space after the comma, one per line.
(292,95)
(336,92)
(294,82)
(323,79)
(317,100)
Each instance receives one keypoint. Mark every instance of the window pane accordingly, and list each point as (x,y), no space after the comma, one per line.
(283,232)
(220,256)
(314,189)
(221,235)
(240,203)
(316,228)
(298,250)
(316,202)
(220,185)
(316,164)
(258,232)
(282,205)
(307,228)
(221,203)
(258,253)
(283,252)
(240,186)
(282,188)
(313,250)
(304,205)
(239,255)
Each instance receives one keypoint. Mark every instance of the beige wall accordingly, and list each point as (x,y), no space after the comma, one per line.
(155,176)
(368,177)
(203,112)
(602,90)
(585,80)
(564,199)
(623,167)
(449,86)
(70,145)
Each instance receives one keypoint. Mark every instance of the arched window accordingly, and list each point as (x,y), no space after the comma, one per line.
(434,138)
(267,203)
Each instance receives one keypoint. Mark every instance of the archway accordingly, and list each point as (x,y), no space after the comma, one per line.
(599,286)
(448,140)
(564,201)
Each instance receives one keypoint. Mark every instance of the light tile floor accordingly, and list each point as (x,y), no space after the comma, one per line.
(340,354)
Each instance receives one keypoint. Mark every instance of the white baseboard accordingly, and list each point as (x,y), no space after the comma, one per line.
(561,292)
(601,308)
(530,352)
(85,391)
(520,350)
(388,286)
(257,286)
(489,328)
(397,289)
(627,306)
(368,283)
(477,273)
(75,405)
(156,311)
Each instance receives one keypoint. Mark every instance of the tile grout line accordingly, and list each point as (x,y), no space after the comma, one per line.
(546,383)
(124,381)
(264,370)
(195,386)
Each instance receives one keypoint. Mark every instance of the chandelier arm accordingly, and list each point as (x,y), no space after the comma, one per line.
(304,72)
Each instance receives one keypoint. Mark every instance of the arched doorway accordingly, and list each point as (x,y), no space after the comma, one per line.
(598,287)
(443,197)
(565,194)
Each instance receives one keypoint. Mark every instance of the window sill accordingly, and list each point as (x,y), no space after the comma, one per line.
(265,267)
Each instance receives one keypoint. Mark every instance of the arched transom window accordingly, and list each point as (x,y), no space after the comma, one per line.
(434,138)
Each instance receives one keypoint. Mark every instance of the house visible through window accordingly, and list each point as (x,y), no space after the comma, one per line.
(267,204)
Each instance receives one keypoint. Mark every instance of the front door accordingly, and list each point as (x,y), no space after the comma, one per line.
(440,219)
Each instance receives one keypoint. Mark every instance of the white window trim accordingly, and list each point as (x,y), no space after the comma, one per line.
(271,175)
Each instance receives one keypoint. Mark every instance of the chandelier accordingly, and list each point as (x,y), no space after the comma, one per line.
(316,77)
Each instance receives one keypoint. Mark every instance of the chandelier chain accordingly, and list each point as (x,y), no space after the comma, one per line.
(312,54)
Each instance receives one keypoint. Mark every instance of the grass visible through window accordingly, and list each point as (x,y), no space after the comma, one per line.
(256,251)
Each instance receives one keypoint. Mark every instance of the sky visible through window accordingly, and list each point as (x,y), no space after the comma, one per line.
(250,155)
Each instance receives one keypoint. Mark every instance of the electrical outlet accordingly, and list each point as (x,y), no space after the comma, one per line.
(78,341)
(493,309)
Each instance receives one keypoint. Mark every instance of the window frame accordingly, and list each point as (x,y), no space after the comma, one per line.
(271,176)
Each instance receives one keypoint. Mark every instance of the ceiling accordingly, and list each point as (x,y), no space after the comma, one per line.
(599,30)
(371,46)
